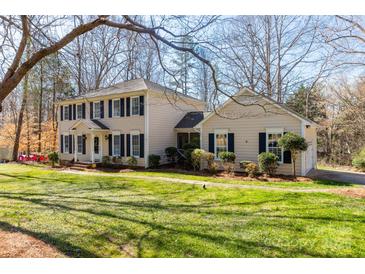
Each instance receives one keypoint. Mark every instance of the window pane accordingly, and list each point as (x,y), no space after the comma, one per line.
(79,144)
(135,106)
(116,145)
(135,145)
(79,112)
(66,144)
(220,143)
(116,109)
(273,146)
(97,110)
(66,113)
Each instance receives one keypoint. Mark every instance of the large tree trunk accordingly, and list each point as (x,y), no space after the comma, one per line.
(40,109)
(20,119)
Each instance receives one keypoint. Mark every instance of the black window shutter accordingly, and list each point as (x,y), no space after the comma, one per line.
(61,113)
(91,110)
(83,144)
(110,108)
(128,145)
(70,112)
(262,142)
(128,106)
(61,143)
(74,111)
(211,142)
(122,144)
(231,142)
(141,105)
(286,155)
(110,143)
(83,111)
(141,145)
(102,109)
(69,143)
(121,107)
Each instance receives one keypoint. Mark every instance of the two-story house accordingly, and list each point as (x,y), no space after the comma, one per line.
(138,118)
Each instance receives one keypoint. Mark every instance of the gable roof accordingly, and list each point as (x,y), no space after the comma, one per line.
(139,84)
(90,124)
(191,119)
(266,98)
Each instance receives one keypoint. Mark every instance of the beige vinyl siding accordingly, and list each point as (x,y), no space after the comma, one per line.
(246,129)
(165,111)
(124,125)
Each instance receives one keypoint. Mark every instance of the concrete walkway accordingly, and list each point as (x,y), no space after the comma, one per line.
(339,176)
(201,183)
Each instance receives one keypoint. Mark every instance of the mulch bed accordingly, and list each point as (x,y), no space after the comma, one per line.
(19,245)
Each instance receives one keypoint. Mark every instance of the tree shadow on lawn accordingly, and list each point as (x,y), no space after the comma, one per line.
(62,246)
(258,247)
(331,183)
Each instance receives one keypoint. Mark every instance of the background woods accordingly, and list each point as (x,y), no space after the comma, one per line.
(313,64)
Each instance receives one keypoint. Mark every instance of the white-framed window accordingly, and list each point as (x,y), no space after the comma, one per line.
(96,110)
(135,105)
(220,141)
(66,113)
(79,111)
(116,108)
(272,138)
(79,144)
(135,144)
(66,143)
(116,144)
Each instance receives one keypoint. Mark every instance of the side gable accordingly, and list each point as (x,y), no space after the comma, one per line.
(255,97)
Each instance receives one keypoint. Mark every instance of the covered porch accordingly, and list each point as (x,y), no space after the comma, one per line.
(90,139)
(185,131)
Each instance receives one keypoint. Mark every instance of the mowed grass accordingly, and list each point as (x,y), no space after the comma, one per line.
(315,183)
(99,216)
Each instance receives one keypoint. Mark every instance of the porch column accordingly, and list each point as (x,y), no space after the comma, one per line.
(92,148)
(75,147)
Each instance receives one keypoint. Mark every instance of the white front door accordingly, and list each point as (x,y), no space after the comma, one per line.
(97,154)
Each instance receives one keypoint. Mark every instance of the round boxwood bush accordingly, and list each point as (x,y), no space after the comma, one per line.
(154,160)
(268,163)
(227,156)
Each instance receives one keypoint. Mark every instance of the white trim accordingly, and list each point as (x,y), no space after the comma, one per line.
(302,133)
(147,130)
(94,117)
(216,132)
(242,91)
(77,144)
(131,107)
(113,100)
(64,113)
(275,131)
(116,133)
(135,133)
(80,104)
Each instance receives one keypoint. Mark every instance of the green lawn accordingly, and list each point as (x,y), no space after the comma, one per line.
(99,216)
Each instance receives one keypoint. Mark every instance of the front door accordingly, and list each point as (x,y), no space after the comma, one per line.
(97,149)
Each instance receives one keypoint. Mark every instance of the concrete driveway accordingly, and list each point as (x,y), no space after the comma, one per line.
(340,176)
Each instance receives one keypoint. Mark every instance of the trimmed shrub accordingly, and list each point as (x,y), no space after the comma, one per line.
(187,154)
(228,159)
(295,144)
(196,157)
(54,158)
(359,160)
(189,146)
(268,163)
(132,161)
(213,168)
(154,160)
(209,157)
(251,169)
(243,164)
(171,153)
